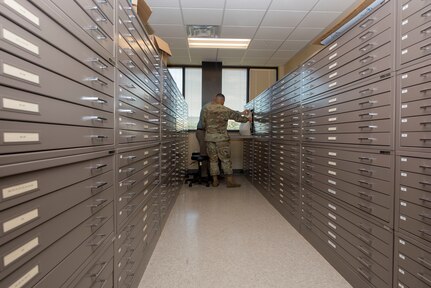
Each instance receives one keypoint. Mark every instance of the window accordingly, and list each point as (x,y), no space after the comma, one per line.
(193,95)
(177,74)
(234,87)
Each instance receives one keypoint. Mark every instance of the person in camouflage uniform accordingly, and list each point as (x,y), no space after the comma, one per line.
(215,120)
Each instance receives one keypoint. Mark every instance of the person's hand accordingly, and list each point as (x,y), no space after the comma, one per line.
(246,112)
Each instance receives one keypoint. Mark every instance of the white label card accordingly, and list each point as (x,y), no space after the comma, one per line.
(21,42)
(17,253)
(12,137)
(22,11)
(20,105)
(26,278)
(21,74)
(20,220)
(19,189)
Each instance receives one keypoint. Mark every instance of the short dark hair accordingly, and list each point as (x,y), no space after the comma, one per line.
(220,95)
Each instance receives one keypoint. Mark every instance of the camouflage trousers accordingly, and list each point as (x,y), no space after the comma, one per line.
(219,150)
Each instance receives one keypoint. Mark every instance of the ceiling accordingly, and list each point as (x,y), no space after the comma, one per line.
(278,28)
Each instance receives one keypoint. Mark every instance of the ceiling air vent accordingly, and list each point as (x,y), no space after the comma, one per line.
(203,31)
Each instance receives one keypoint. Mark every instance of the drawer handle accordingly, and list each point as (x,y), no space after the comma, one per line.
(369,102)
(425,262)
(363,273)
(426,31)
(425,166)
(366,139)
(365,239)
(425,75)
(363,250)
(365,171)
(425,139)
(422,276)
(366,91)
(425,232)
(366,71)
(97,80)
(310,138)
(98,185)
(426,48)
(99,202)
(363,262)
(366,195)
(99,166)
(366,59)
(95,99)
(128,170)
(425,183)
(101,14)
(426,106)
(365,228)
(424,215)
(370,114)
(100,35)
(128,98)
(98,118)
(368,127)
(98,61)
(97,274)
(365,24)
(128,111)
(131,157)
(365,36)
(426,14)
(102,236)
(365,208)
(366,47)
(130,183)
(425,123)
(366,159)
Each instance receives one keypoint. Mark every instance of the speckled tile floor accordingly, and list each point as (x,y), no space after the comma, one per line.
(220,238)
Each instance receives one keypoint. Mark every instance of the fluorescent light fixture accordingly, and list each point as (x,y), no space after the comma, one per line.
(219,43)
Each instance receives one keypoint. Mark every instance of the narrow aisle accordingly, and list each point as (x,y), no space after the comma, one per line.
(220,238)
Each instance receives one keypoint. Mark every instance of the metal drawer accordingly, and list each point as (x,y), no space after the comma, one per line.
(420,123)
(407,280)
(284,147)
(282,155)
(137,181)
(415,180)
(44,27)
(41,266)
(145,102)
(127,84)
(22,106)
(32,213)
(366,139)
(126,110)
(415,76)
(145,187)
(416,108)
(25,137)
(126,123)
(367,23)
(19,251)
(364,182)
(419,34)
(377,126)
(364,170)
(146,164)
(414,211)
(24,75)
(355,54)
(125,158)
(127,137)
(415,139)
(416,51)
(286,137)
(414,14)
(101,31)
(370,114)
(46,56)
(371,203)
(418,228)
(103,270)
(100,11)
(373,69)
(416,165)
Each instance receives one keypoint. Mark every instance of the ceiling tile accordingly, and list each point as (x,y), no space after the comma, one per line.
(284,54)
(254,61)
(265,44)
(230,53)
(259,53)
(247,4)
(304,34)
(202,16)
(208,53)
(319,19)
(166,16)
(274,33)
(243,17)
(334,5)
(279,18)
(169,30)
(276,62)
(176,43)
(182,53)
(298,5)
(242,32)
(294,44)
(163,3)
(219,4)
(179,61)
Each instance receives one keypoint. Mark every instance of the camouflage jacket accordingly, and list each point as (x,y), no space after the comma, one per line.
(215,120)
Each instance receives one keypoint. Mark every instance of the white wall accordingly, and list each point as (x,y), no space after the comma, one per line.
(236,151)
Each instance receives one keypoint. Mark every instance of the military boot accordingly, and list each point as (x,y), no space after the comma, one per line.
(230,183)
(215,181)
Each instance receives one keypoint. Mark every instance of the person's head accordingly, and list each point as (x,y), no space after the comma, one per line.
(219,99)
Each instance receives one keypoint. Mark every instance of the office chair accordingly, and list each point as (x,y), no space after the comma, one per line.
(197,176)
